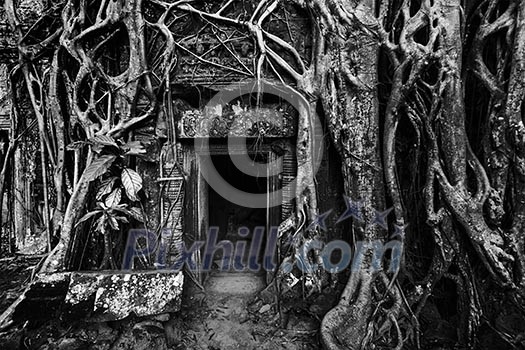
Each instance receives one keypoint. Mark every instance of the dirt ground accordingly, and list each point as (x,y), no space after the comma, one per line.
(226,315)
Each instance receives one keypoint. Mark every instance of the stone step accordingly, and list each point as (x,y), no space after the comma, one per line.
(237,283)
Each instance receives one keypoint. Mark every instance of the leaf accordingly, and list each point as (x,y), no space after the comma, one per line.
(98,167)
(88,216)
(103,140)
(101,223)
(134,148)
(114,198)
(105,187)
(122,219)
(134,212)
(132,183)
(76,145)
(113,223)
(97,148)
(99,142)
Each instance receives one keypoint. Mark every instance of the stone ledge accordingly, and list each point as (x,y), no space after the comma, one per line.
(118,295)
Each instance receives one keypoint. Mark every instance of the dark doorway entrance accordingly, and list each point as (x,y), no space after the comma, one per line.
(230,217)
(227,216)
(206,208)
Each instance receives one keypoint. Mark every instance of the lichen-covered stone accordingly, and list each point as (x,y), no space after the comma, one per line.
(119,295)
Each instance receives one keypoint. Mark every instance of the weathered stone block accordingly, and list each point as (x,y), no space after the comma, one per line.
(118,295)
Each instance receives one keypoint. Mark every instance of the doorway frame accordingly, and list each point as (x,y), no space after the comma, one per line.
(196,221)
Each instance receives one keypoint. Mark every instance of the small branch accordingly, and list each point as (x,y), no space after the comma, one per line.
(288,47)
(189,8)
(283,64)
(203,60)
(224,7)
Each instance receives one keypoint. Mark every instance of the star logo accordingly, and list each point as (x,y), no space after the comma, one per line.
(380,218)
(399,231)
(320,221)
(353,210)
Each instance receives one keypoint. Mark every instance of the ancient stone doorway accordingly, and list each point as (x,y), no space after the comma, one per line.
(206,208)
(231,218)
